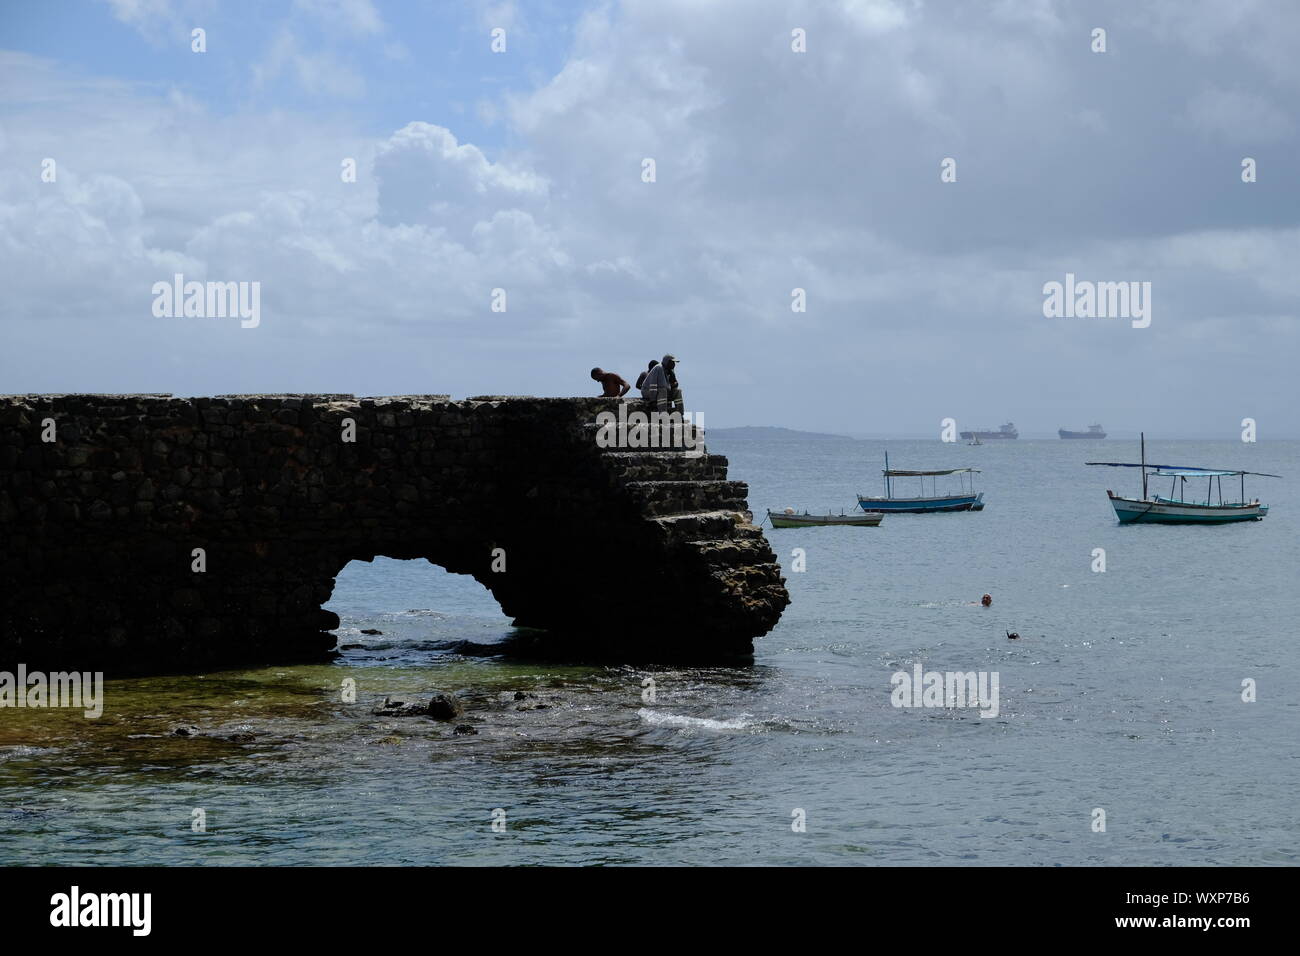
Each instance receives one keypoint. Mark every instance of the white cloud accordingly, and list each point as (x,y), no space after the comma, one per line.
(350,16)
(876,16)
(775,170)
(497,13)
(427,177)
(318,73)
(163,21)
(140,12)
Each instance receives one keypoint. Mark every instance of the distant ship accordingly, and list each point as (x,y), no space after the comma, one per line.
(1094,431)
(1006,431)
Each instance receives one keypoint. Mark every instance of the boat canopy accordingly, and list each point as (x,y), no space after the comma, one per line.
(1148,466)
(1194,473)
(928,474)
(1181,471)
(1202,473)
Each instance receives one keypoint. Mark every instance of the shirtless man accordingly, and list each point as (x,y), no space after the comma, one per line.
(613,384)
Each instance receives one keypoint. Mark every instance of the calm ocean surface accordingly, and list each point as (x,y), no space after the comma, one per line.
(1123,693)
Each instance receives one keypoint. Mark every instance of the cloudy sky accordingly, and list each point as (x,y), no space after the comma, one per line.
(775,170)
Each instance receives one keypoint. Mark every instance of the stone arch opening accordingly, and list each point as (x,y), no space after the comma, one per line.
(156,533)
(410,609)
(386,585)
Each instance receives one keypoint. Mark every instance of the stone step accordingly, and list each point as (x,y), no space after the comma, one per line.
(749,579)
(678,497)
(734,552)
(697,526)
(666,466)
(674,439)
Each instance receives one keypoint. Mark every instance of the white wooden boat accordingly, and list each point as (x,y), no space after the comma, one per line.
(1178,508)
(788,519)
(1159,510)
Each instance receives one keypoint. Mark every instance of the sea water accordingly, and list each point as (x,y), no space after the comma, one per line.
(1123,693)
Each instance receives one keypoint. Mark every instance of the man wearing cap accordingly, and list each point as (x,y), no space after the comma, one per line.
(674,393)
(660,386)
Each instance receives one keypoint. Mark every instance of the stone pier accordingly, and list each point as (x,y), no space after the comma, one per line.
(146,533)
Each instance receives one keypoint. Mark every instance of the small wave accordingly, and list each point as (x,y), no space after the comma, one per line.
(22,750)
(663,719)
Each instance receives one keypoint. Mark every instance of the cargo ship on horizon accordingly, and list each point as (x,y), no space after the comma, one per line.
(1094,431)
(1006,431)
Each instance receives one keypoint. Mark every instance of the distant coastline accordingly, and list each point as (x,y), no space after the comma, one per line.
(772,433)
(776,433)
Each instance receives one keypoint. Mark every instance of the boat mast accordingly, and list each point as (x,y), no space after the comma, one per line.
(1144,466)
(887,491)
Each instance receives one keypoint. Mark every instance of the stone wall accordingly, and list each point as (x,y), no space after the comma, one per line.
(629,554)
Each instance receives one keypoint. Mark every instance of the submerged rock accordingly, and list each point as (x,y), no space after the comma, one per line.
(185,730)
(370,630)
(464,730)
(439,707)
(444,707)
(521,700)
(402,707)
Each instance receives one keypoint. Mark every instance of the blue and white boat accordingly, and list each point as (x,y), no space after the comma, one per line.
(1178,508)
(923,503)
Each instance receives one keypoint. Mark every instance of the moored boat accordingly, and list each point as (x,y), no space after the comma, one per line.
(788,519)
(1160,510)
(1178,508)
(923,503)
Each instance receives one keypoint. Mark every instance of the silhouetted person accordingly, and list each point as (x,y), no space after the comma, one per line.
(640,379)
(612,383)
(660,388)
